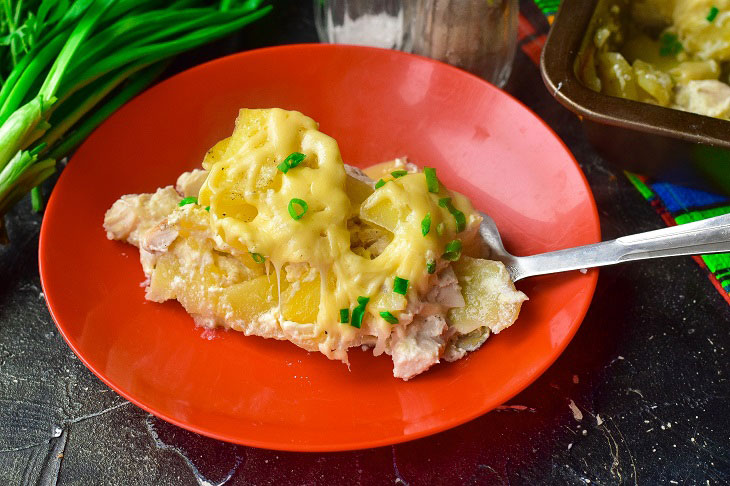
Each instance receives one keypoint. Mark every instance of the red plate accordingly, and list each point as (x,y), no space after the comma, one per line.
(378,104)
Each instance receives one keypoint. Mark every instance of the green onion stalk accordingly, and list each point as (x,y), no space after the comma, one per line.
(66,65)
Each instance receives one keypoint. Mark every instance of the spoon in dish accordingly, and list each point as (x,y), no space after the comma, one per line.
(710,235)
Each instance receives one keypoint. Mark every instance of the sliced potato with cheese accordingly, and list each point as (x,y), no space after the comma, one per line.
(490,296)
(216,153)
(389,301)
(249,133)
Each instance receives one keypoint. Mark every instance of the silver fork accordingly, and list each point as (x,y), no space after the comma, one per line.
(710,235)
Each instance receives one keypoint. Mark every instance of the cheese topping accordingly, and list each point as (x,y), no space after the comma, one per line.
(249,200)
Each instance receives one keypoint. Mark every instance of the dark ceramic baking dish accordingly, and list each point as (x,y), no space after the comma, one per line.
(634,135)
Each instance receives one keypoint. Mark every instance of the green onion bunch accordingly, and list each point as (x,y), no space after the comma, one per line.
(66,65)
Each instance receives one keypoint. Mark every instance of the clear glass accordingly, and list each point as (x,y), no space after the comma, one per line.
(479,36)
(379,23)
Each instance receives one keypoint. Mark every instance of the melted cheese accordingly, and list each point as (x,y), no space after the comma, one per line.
(249,197)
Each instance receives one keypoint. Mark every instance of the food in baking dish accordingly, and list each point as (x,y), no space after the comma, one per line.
(673,53)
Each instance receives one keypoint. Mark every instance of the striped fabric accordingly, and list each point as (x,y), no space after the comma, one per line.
(548,8)
(676,204)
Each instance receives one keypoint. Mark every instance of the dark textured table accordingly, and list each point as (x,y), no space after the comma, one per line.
(640,396)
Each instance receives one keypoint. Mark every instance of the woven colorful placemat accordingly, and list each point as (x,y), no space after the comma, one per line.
(677,202)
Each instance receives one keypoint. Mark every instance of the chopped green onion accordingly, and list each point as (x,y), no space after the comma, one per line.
(207,208)
(300,210)
(379,184)
(453,250)
(400,285)
(399,173)
(426,224)
(669,45)
(445,202)
(292,160)
(432,181)
(713,13)
(440,228)
(460,220)
(389,318)
(344,316)
(188,200)
(257,257)
(359,312)
(431,266)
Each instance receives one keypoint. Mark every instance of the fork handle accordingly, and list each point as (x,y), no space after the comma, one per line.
(711,235)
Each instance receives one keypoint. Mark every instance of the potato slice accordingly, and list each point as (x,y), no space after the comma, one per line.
(300,302)
(617,76)
(248,300)
(216,153)
(176,277)
(160,288)
(641,46)
(695,70)
(191,265)
(382,212)
(357,191)
(586,68)
(239,209)
(250,132)
(490,296)
(388,301)
(657,84)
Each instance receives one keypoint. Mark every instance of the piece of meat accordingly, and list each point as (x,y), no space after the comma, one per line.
(358,174)
(420,341)
(708,97)
(159,237)
(458,345)
(134,214)
(417,347)
(189,183)
(447,291)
